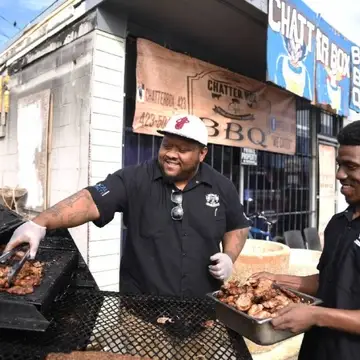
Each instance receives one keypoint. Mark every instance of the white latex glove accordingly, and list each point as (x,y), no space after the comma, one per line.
(223,268)
(30,233)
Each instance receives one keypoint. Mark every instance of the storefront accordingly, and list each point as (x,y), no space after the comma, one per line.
(284,184)
(82,58)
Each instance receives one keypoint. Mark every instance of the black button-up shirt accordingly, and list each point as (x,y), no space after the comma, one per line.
(163,256)
(339,288)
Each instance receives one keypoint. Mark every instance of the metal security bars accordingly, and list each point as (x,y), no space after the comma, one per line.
(329,124)
(279,183)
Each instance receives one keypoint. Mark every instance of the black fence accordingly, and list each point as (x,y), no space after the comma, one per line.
(280,183)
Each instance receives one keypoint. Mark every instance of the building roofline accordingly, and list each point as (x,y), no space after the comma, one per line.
(60,14)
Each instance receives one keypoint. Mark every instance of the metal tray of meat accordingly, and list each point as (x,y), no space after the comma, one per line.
(259,331)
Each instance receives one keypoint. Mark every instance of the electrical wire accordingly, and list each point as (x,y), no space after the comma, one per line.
(14,23)
(4,35)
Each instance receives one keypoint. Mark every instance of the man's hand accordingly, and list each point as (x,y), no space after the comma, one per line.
(30,233)
(305,284)
(263,275)
(223,268)
(296,317)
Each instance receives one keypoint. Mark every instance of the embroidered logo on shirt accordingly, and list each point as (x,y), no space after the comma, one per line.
(102,189)
(212,200)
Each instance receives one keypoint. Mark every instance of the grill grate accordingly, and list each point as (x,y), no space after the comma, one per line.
(92,320)
(59,266)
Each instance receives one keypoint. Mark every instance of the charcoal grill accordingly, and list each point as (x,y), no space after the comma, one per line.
(83,318)
(61,258)
(87,319)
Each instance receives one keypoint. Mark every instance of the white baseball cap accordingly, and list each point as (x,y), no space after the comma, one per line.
(187,126)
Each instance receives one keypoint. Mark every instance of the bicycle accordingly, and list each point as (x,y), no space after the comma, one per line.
(270,219)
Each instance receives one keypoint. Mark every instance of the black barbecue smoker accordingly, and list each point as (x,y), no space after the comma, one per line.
(68,312)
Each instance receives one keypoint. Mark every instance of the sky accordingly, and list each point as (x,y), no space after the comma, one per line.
(344,16)
(21,11)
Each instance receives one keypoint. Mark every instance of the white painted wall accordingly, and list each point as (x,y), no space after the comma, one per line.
(106,139)
(87,134)
(67,73)
(9,156)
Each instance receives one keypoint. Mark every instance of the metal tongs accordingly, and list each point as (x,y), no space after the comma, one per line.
(4,258)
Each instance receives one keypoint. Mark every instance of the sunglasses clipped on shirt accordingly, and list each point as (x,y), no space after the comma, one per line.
(177,212)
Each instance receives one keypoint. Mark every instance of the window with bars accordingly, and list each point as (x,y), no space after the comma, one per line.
(329,124)
(280,183)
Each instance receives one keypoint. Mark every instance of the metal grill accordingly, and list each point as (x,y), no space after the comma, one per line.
(96,321)
(58,269)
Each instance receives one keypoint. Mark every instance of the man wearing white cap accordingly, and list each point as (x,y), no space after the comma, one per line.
(177,209)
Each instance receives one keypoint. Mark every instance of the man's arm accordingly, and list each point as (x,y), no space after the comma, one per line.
(343,320)
(97,203)
(305,284)
(234,242)
(73,211)
(237,227)
(76,210)
(300,317)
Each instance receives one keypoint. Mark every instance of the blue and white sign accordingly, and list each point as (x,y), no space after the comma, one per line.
(332,68)
(291,46)
(355,79)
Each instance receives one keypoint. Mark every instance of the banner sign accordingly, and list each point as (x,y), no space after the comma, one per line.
(238,111)
(332,69)
(355,78)
(308,57)
(291,47)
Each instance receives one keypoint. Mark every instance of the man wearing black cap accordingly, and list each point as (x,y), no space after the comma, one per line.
(178,212)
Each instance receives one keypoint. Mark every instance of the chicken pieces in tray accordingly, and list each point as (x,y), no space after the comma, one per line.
(257,298)
(29,276)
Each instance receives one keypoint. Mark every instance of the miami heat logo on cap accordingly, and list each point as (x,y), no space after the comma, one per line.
(181,122)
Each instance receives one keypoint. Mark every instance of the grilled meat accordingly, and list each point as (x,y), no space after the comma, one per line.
(262,315)
(291,295)
(29,276)
(255,308)
(244,302)
(258,298)
(20,290)
(262,288)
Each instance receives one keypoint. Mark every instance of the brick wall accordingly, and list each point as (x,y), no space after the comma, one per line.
(106,141)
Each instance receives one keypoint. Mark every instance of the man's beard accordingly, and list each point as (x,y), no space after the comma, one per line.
(188,174)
